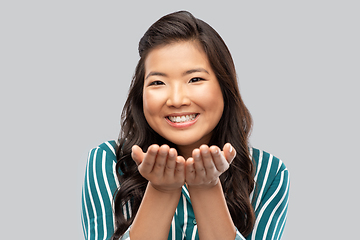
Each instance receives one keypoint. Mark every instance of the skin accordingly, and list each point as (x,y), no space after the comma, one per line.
(197,165)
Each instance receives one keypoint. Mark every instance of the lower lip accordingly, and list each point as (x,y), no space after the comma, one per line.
(182,124)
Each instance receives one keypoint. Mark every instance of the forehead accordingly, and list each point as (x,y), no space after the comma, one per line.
(177,56)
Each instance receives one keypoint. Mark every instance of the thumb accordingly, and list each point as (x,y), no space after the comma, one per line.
(229,152)
(137,154)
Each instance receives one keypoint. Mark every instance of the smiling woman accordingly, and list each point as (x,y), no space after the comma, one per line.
(182,167)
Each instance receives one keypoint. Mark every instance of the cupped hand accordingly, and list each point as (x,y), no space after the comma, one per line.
(161,166)
(207,164)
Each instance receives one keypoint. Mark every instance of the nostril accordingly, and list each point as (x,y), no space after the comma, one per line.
(178,100)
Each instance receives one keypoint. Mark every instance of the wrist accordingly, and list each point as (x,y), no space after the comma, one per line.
(204,187)
(165,190)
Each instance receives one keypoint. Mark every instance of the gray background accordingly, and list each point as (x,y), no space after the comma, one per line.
(65,67)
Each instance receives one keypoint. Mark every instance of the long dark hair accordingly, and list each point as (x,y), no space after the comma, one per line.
(234,126)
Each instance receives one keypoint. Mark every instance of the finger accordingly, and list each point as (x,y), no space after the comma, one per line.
(229,152)
(171,163)
(160,160)
(148,162)
(206,162)
(137,154)
(180,169)
(189,170)
(219,159)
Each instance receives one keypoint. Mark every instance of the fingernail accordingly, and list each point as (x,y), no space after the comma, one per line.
(230,148)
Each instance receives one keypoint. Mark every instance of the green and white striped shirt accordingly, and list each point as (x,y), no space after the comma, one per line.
(270,201)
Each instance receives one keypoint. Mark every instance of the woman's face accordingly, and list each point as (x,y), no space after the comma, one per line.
(182,98)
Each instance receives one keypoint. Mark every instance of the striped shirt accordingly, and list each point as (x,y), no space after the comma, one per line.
(269,198)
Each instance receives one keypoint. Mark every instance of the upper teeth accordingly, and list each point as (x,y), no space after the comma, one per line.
(183,118)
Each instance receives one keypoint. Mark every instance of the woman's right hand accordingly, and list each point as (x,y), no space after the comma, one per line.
(161,166)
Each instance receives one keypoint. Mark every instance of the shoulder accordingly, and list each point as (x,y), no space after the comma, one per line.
(265,163)
(106,149)
(99,187)
(103,156)
(109,147)
(101,168)
(270,196)
(271,178)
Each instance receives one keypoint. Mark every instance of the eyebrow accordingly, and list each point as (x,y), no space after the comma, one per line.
(195,70)
(185,73)
(155,74)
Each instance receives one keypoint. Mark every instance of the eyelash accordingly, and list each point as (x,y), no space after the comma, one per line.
(197,78)
(157,83)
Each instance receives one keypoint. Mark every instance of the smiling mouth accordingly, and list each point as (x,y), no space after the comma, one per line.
(182,119)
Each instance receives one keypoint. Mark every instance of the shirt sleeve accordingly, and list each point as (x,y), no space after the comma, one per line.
(97,193)
(272,201)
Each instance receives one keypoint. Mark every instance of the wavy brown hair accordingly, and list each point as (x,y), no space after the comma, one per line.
(234,126)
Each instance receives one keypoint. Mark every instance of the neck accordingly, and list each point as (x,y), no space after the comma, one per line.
(186,151)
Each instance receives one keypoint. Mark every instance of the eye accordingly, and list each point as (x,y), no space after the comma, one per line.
(196,79)
(156,83)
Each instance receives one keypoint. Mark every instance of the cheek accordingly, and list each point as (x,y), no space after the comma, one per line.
(211,99)
(216,104)
(147,106)
(151,103)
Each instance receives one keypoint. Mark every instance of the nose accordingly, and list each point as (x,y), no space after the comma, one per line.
(178,97)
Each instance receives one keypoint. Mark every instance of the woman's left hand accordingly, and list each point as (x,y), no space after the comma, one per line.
(207,164)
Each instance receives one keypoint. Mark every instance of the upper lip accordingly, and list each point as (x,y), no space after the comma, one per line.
(180,114)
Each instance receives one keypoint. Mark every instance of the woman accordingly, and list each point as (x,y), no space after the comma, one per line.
(182,168)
